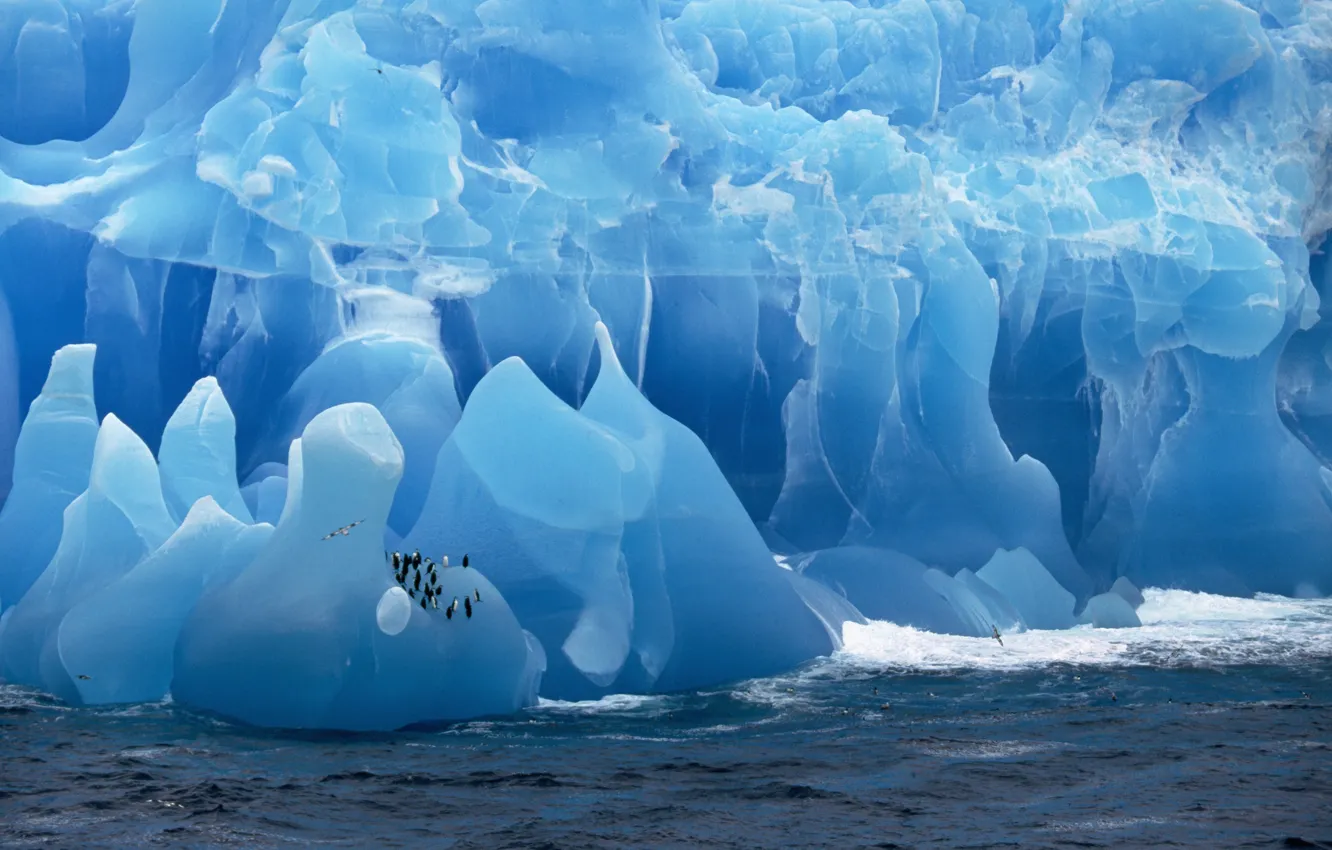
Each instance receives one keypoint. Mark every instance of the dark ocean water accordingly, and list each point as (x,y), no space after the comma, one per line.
(1209,727)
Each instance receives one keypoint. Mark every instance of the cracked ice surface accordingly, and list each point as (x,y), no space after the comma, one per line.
(931,282)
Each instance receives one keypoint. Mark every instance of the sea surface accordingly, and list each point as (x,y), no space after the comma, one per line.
(1211,726)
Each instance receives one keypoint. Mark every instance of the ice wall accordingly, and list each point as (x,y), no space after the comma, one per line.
(929,278)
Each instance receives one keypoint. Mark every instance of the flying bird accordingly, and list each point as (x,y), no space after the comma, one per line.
(344,531)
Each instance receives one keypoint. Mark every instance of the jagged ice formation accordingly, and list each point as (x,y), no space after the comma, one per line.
(976,314)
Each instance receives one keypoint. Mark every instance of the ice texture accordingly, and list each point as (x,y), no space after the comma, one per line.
(123,638)
(612,534)
(1109,611)
(893,289)
(107,531)
(408,381)
(198,453)
(885,585)
(52,461)
(1025,582)
(294,640)
(1131,594)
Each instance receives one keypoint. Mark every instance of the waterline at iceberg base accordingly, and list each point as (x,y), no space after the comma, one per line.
(704,328)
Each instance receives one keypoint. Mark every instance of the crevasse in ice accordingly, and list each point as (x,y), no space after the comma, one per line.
(968,311)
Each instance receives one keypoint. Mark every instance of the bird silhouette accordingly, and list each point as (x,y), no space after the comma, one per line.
(344,531)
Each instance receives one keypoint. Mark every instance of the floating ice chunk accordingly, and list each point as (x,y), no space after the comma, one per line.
(1109,611)
(1041,600)
(411,385)
(124,637)
(735,614)
(295,641)
(198,453)
(534,492)
(885,585)
(109,529)
(52,461)
(1126,589)
(394,611)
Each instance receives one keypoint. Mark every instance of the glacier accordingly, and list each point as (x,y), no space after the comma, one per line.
(702,326)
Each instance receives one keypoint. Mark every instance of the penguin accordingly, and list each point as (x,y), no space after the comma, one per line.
(448,612)
(465,562)
(417,584)
(995,629)
(454,606)
(423,603)
(478,595)
(397,561)
(411,593)
(467,604)
(84,678)
(434,601)
(444,564)
(416,559)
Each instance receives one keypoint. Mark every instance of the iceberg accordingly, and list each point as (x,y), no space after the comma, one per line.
(1109,611)
(885,585)
(1029,587)
(408,381)
(108,529)
(198,454)
(970,310)
(123,639)
(294,640)
(52,461)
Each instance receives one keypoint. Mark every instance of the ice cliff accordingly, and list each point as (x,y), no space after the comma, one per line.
(974,313)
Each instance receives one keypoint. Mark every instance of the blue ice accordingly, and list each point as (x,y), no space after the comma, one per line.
(123,638)
(1029,587)
(52,461)
(303,621)
(969,310)
(107,530)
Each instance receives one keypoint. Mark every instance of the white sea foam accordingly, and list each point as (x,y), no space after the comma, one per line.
(1180,628)
(609,704)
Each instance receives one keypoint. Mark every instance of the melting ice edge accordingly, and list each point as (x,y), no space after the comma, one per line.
(976,314)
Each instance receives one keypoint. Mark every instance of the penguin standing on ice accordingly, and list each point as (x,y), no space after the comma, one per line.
(417,584)
(466,564)
(995,629)
(467,605)
(416,559)
(448,612)
(478,594)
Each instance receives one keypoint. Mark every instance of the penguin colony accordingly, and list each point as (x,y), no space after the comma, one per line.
(403,564)
(424,583)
